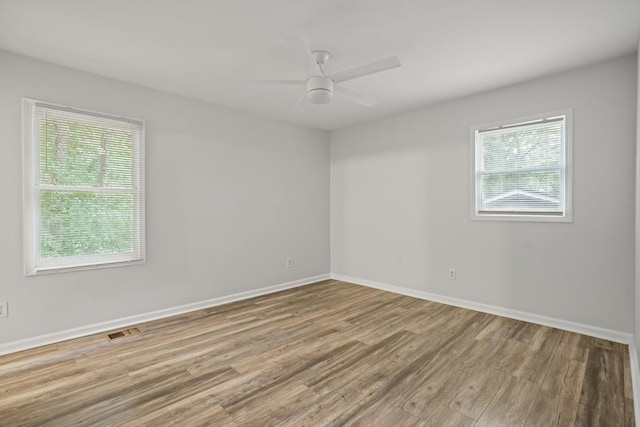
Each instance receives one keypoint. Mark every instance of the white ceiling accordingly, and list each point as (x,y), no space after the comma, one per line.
(214,50)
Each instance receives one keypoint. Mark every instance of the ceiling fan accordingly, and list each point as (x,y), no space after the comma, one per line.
(321,87)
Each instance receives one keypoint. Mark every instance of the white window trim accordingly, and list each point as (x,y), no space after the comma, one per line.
(30,156)
(568,171)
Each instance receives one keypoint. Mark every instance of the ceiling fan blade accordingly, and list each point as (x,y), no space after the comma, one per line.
(282,82)
(355,96)
(365,70)
(300,102)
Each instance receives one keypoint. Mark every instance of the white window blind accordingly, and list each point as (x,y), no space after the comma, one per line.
(84,188)
(521,169)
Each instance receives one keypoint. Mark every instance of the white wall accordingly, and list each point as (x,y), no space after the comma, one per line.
(229,198)
(637,234)
(400,189)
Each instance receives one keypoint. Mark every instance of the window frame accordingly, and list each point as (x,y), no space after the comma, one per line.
(33,263)
(475,194)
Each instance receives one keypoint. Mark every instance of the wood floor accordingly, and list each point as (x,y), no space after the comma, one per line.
(330,353)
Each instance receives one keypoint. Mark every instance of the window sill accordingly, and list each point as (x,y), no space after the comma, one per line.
(56,270)
(521,218)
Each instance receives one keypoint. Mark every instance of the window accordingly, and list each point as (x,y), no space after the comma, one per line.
(83,189)
(522,169)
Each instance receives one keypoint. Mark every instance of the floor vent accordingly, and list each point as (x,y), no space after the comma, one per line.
(124,333)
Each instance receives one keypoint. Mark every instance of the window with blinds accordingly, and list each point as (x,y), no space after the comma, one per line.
(521,169)
(83,188)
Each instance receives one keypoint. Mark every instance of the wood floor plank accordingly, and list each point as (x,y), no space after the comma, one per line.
(438,390)
(533,366)
(474,395)
(441,416)
(199,415)
(264,386)
(628,386)
(629,414)
(609,345)
(324,411)
(557,401)
(329,353)
(511,404)
(602,398)
(387,415)
(574,346)
(400,387)
(546,340)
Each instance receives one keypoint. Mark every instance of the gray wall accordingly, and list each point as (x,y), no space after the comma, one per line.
(400,189)
(229,198)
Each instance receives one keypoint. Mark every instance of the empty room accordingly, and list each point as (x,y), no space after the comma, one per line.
(319,213)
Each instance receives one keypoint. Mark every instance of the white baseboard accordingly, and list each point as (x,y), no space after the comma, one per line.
(25,344)
(594,331)
(635,379)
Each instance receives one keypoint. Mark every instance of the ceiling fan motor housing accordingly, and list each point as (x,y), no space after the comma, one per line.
(319,89)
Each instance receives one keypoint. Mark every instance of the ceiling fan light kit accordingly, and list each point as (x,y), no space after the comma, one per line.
(319,90)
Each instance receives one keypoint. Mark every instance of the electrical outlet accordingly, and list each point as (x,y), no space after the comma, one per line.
(399,261)
(289,262)
(4,307)
(452,274)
